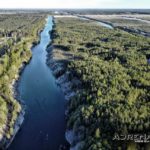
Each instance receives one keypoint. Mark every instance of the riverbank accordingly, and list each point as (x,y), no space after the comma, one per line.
(15,94)
(57,60)
(13,61)
(20,117)
(57,65)
(14,88)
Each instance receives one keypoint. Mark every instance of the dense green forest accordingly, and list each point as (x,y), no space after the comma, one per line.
(113,95)
(17,34)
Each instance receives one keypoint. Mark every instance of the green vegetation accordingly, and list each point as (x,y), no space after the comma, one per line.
(114,96)
(126,21)
(131,24)
(17,33)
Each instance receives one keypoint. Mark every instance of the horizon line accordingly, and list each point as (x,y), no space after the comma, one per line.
(73,8)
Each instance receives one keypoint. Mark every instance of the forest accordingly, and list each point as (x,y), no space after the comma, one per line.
(18,33)
(112,95)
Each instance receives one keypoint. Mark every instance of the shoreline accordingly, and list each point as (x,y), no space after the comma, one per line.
(61,76)
(15,94)
(20,118)
(62,80)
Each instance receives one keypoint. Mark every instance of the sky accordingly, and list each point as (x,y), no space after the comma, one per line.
(74,3)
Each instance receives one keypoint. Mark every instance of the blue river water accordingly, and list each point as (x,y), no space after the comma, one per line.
(44,125)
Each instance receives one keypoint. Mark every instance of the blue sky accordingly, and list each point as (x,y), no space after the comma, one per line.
(74,3)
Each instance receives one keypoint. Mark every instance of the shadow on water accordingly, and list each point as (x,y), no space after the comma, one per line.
(44,125)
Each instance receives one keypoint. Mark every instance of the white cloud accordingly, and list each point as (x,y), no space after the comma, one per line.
(74,3)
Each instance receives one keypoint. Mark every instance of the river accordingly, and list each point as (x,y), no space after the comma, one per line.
(44,125)
(101,23)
